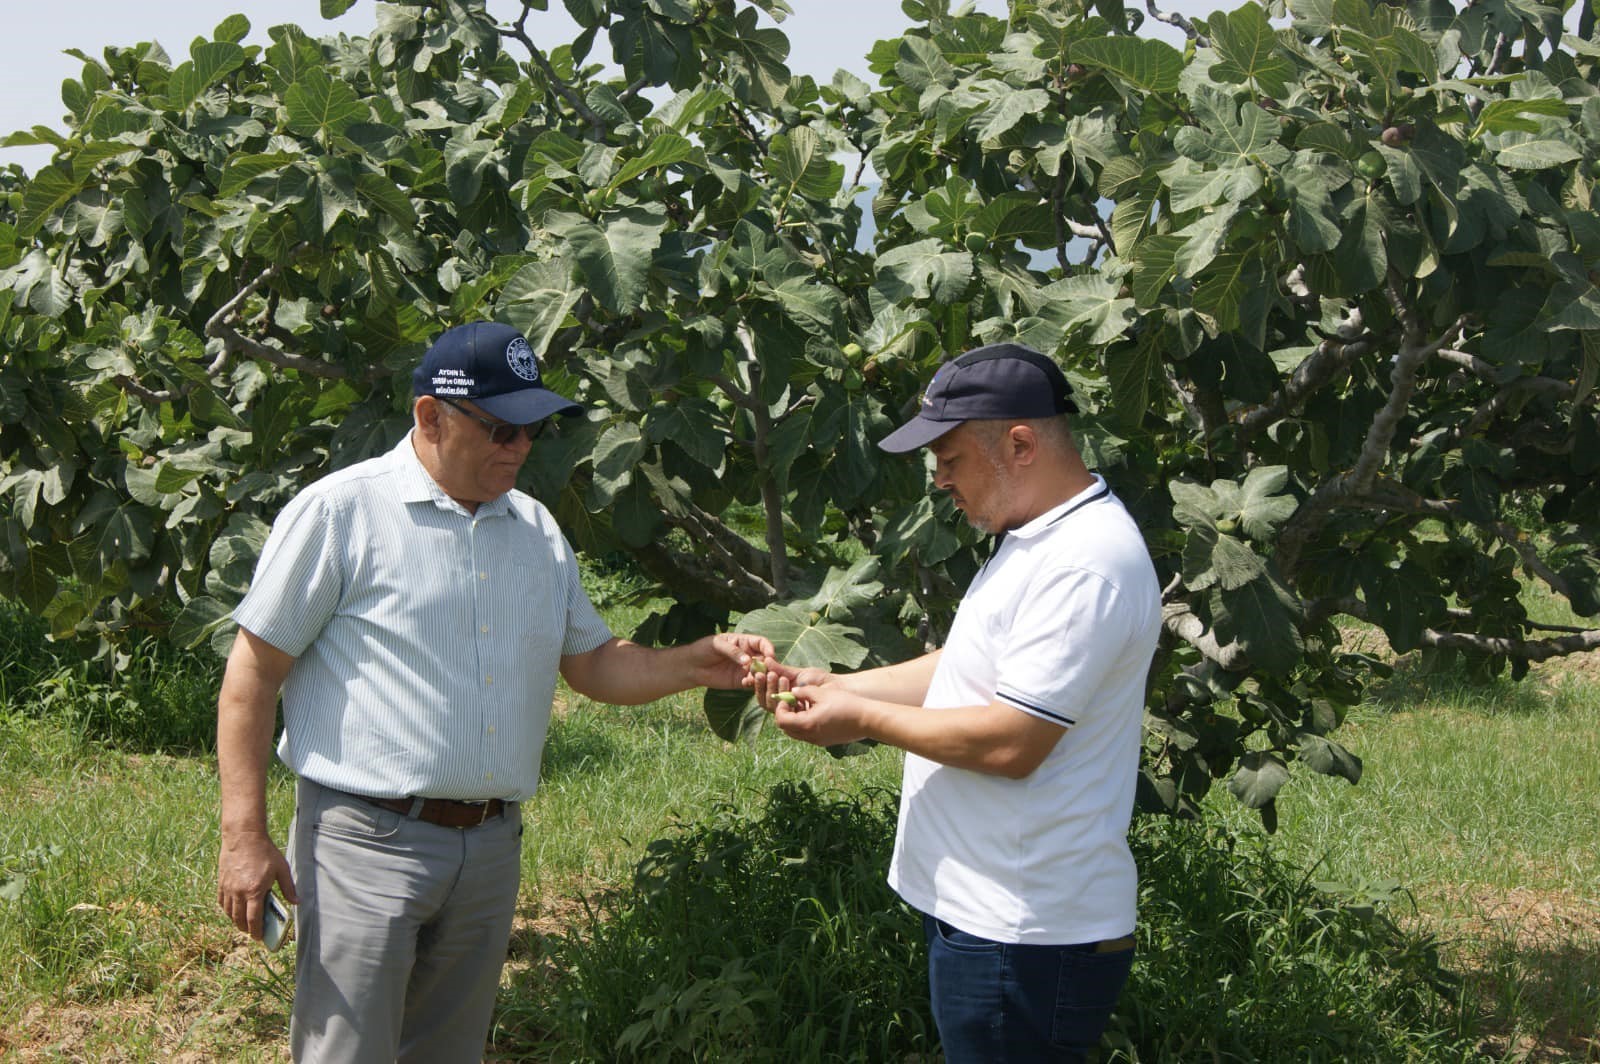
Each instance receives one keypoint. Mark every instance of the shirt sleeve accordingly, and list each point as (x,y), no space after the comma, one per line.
(585,627)
(1066,637)
(298,580)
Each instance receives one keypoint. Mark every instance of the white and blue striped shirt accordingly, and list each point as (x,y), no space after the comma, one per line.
(427,639)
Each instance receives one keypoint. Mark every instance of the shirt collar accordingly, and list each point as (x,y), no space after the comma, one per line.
(416,485)
(1096,490)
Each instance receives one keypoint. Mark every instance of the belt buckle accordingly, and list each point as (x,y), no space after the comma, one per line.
(483,814)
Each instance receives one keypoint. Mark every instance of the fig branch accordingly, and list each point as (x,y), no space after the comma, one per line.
(1415,349)
(519,33)
(771,498)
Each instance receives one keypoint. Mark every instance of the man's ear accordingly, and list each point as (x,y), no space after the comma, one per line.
(426,414)
(1024,444)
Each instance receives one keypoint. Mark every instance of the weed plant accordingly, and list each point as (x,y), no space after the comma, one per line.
(1244,957)
(146,696)
(753,938)
(773,937)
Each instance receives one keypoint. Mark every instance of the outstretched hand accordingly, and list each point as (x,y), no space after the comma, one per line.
(723,660)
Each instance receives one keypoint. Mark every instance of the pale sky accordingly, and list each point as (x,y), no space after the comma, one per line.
(824,36)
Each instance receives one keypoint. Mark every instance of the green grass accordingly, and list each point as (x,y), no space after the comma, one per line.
(1477,801)
(124,913)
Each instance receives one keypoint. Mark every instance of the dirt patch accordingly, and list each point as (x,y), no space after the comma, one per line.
(213,1007)
(222,1000)
(1584,666)
(1528,918)
(1541,946)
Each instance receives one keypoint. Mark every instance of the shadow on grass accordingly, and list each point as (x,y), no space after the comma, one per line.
(1419,683)
(577,745)
(1560,984)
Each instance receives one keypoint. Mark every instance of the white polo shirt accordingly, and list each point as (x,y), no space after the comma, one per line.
(427,639)
(1061,624)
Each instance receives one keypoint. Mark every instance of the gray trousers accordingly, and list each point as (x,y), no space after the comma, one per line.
(401,931)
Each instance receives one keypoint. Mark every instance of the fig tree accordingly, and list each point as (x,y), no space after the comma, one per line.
(1372,166)
(976,242)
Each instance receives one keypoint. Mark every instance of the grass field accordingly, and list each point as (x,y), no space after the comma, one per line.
(1478,805)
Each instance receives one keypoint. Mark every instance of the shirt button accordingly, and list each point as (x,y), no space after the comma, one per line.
(483,628)
(489,680)
(483,576)
(491,729)
(488,775)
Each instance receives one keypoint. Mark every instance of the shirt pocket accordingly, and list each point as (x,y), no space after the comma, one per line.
(538,597)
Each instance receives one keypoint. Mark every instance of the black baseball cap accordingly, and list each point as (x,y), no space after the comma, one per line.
(492,365)
(1005,381)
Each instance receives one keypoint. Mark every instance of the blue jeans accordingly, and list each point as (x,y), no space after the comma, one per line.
(1003,1003)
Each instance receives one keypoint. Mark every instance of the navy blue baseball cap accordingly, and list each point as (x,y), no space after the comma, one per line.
(1006,381)
(492,365)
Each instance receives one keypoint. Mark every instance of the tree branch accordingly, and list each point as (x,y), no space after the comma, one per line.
(1357,480)
(1179,620)
(1501,47)
(716,537)
(519,32)
(1525,649)
(1175,19)
(741,398)
(633,90)
(139,391)
(1331,357)
(736,549)
(749,128)
(771,498)
(1577,641)
(218,327)
(691,577)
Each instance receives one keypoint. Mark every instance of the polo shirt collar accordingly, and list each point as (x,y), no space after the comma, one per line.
(1050,517)
(416,485)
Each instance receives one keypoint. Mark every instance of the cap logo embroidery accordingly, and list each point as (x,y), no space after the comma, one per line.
(449,381)
(519,356)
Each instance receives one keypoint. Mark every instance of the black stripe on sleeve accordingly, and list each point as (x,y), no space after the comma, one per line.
(1034,707)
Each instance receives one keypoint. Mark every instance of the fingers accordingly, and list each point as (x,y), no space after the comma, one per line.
(744,648)
(245,875)
(286,884)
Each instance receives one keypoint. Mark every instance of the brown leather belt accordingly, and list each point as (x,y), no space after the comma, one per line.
(446,812)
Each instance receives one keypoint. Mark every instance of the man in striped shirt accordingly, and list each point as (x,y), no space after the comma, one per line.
(415,610)
(1022,733)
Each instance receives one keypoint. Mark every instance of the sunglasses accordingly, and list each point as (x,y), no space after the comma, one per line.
(500,432)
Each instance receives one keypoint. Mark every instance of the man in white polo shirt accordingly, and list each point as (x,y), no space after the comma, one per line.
(1022,734)
(415,610)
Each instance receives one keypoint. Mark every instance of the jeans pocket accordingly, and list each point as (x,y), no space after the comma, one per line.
(963,942)
(352,818)
(1087,990)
